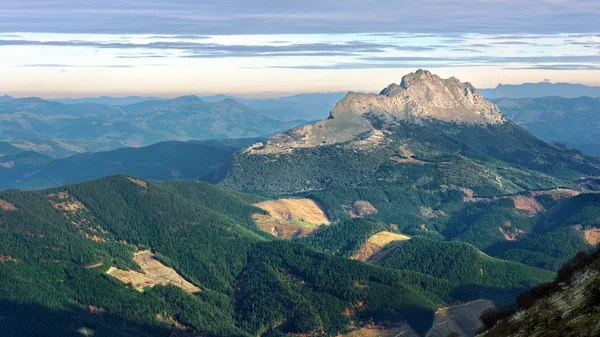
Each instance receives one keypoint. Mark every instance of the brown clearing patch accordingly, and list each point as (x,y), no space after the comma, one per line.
(510,233)
(373,250)
(360,209)
(529,204)
(406,156)
(139,182)
(280,229)
(7,206)
(79,216)
(557,194)
(4,258)
(373,330)
(467,191)
(94,238)
(306,210)
(430,213)
(65,202)
(170,320)
(592,236)
(153,273)
(95,310)
(96,265)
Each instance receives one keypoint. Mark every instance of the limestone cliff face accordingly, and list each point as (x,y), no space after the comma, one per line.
(420,96)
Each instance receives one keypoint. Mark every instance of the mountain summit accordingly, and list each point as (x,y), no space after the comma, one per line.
(420,96)
(426,131)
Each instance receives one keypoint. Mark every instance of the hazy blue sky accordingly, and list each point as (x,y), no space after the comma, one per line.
(84,47)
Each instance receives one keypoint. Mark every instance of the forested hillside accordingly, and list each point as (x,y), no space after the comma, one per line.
(491,160)
(57,244)
(161,161)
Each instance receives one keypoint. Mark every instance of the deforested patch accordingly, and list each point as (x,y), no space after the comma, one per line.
(65,202)
(592,236)
(528,204)
(510,232)
(6,258)
(378,245)
(7,206)
(79,216)
(430,213)
(139,182)
(375,330)
(304,210)
(406,156)
(283,229)
(153,273)
(360,209)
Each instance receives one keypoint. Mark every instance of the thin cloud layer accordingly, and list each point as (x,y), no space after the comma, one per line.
(209,17)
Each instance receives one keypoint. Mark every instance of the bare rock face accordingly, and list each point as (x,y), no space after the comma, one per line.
(420,96)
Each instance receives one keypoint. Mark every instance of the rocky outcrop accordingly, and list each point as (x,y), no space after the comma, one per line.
(420,96)
(567,307)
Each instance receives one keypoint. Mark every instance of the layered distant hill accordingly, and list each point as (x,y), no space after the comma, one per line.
(574,122)
(50,127)
(310,106)
(542,89)
(7,149)
(161,161)
(108,100)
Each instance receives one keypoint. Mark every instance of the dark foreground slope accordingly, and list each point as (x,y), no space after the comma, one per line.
(568,306)
(57,245)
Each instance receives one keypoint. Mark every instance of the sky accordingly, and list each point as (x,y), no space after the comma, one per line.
(77,48)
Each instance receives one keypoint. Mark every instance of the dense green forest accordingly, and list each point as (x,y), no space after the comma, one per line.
(472,271)
(491,160)
(544,240)
(57,244)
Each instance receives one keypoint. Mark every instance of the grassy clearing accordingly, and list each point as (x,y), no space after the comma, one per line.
(304,210)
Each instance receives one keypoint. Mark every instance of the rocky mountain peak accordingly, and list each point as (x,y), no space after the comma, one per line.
(424,95)
(420,96)
(417,77)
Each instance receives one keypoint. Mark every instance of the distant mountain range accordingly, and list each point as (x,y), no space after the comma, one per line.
(107,100)
(574,122)
(542,89)
(161,161)
(311,106)
(52,127)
